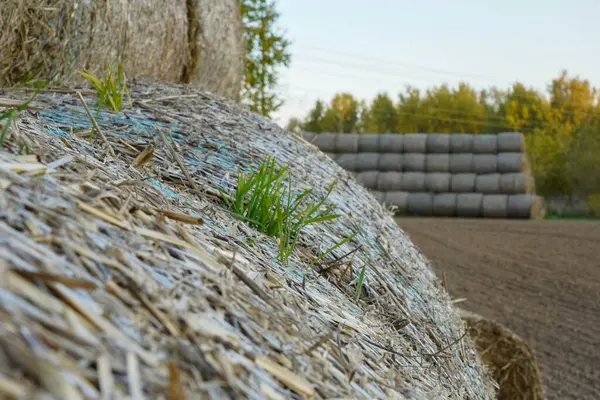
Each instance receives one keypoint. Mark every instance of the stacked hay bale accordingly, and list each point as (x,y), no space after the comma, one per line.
(450,175)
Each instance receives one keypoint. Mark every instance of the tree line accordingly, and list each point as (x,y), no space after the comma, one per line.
(561,125)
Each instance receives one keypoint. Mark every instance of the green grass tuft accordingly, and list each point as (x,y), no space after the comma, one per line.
(112,90)
(10,115)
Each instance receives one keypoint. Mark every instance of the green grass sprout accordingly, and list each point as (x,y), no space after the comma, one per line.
(10,115)
(360,282)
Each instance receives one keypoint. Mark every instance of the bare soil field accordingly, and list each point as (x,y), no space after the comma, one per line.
(539,278)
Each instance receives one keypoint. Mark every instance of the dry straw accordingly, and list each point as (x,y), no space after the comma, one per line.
(126,275)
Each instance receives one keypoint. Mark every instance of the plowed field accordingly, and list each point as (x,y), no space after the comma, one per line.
(539,278)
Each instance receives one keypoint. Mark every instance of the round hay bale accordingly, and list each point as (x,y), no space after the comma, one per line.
(346,143)
(413,162)
(517,183)
(510,359)
(512,162)
(485,163)
(308,136)
(488,184)
(437,162)
(525,206)
(444,205)
(389,181)
(414,143)
(369,179)
(347,161)
(391,162)
(485,144)
(367,161)
(462,183)
(325,142)
(511,142)
(438,143)
(461,163)
(368,143)
(468,205)
(391,143)
(333,156)
(182,41)
(437,182)
(379,196)
(461,143)
(420,204)
(398,200)
(495,206)
(413,182)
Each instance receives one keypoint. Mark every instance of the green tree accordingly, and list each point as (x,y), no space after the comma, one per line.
(410,112)
(294,125)
(266,51)
(381,116)
(314,121)
(342,115)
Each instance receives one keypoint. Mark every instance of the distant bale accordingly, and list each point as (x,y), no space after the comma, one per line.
(325,142)
(512,162)
(389,181)
(367,162)
(199,42)
(397,199)
(437,162)
(444,205)
(368,143)
(347,161)
(495,206)
(461,143)
(468,205)
(511,142)
(525,206)
(437,182)
(488,184)
(438,143)
(413,182)
(485,144)
(510,359)
(379,196)
(414,143)
(462,183)
(369,179)
(420,204)
(414,162)
(485,163)
(461,163)
(333,156)
(346,143)
(391,143)
(308,136)
(517,183)
(391,162)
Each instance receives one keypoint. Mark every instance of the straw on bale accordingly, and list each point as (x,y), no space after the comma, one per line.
(461,163)
(512,162)
(367,162)
(414,143)
(438,143)
(485,144)
(437,182)
(485,163)
(437,162)
(488,184)
(308,136)
(444,205)
(420,204)
(346,143)
(511,142)
(517,183)
(461,143)
(369,179)
(413,182)
(391,162)
(124,275)
(469,205)
(187,41)
(325,142)
(389,181)
(511,359)
(414,162)
(368,143)
(462,183)
(347,161)
(525,206)
(391,143)
(379,196)
(397,199)
(494,206)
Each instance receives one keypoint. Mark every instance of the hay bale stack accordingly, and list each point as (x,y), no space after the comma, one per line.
(413,182)
(346,143)
(469,205)
(461,163)
(485,163)
(389,181)
(414,143)
(398,200)
(444,205)
(369,179)
(367,162)
(437,182)
(437,163)
(420,204)
(488,184)
(391,143)
(510,359)
(517,183)
(495,206)
(414,162)
(438,143)
(326,142)
(462,183)
(347,161)
(461,143)
(485,144)
(511,142)
(182,41)
(391,162)
(525,206)
(512,162)
(368,143)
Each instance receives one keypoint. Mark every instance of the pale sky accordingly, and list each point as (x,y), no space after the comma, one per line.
(365,47)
